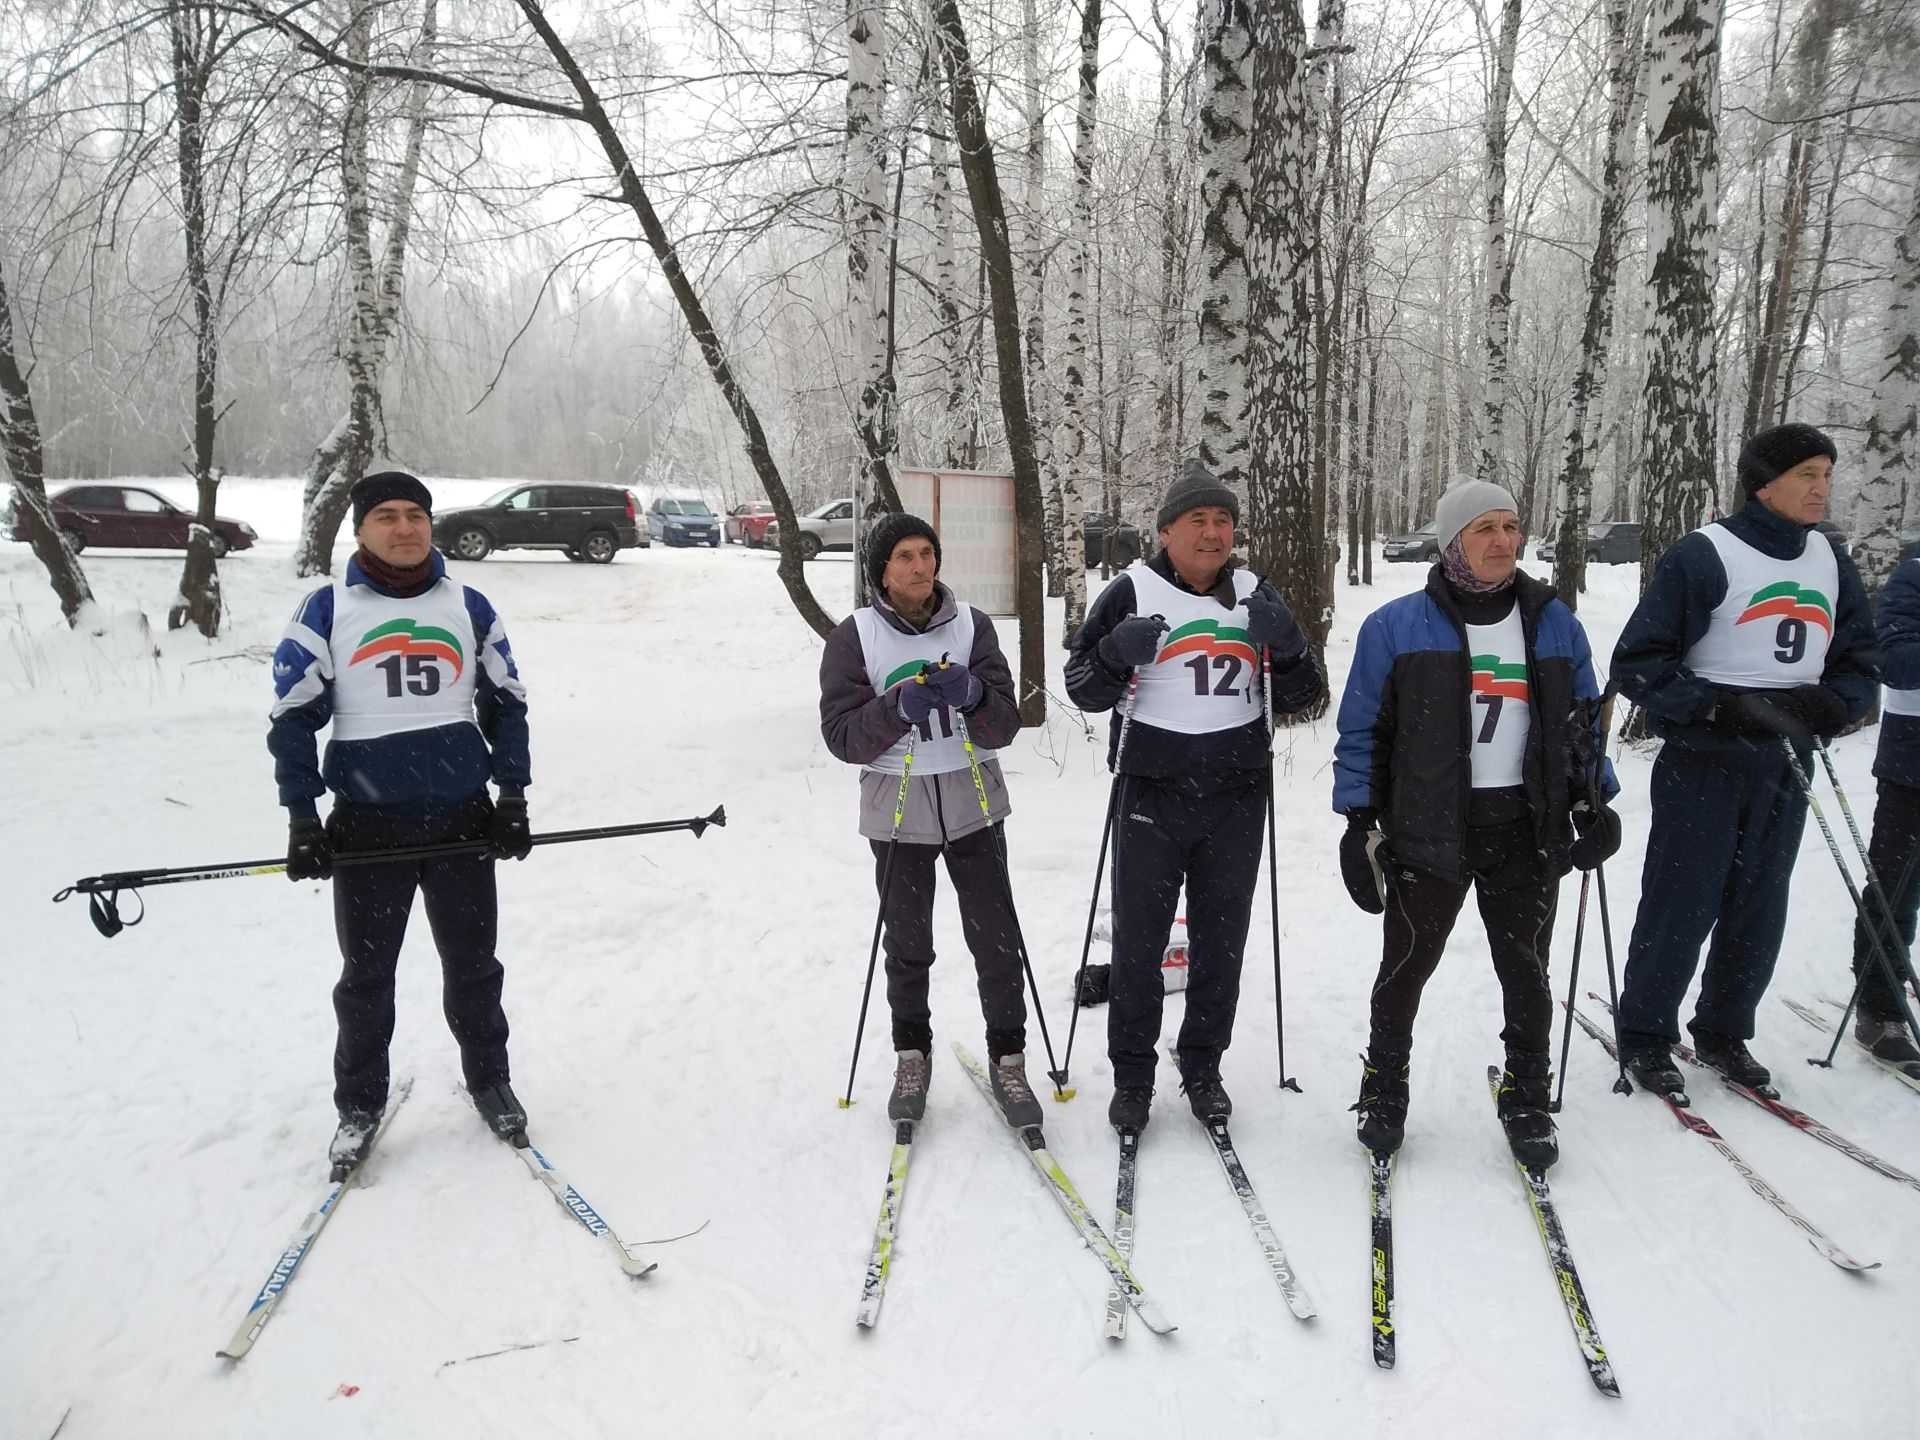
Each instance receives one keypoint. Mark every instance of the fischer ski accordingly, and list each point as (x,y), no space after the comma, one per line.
(1035,1145)
(880,1257)
(268,1300)
(1816,1237)
(1771,1102)
(1380,1172)
(575,1204)
(1269,1243)
(1116,1323)
(1572,1294)
(1907,1073)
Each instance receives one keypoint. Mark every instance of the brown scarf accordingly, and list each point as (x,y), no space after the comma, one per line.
(404,583)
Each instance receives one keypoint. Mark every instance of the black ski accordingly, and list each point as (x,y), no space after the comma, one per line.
(1380,1170)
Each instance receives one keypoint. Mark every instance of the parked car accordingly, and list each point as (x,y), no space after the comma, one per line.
(747,523)
(591,523)
(828,528)
(1611,542)
(131,517)
(674,520)
(1114,541)
(1422,544)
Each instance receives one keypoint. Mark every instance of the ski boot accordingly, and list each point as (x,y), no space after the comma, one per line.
(1008,1075)
(1382,1105)
(1208,1097)
(1130,1107)
(1524,1097)
(1886,1038)
(910,1074)
(352,1141)
(1729,1055)
(502,1111)
(1651,1063)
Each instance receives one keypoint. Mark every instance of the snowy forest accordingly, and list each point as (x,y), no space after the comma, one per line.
(777,249)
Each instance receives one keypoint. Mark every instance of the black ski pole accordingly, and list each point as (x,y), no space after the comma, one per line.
(1621,1085)
(103,891)
(1287,1082)
(1054,1072)
(1100,867)
(1573,982)
(880,915)
(1853,893)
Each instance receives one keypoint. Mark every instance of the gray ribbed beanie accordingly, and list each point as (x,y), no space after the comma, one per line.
(1463,504)
(1193,487)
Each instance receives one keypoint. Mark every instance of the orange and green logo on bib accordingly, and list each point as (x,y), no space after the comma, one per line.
(1492,677)
(1790,602)
(904,672)
(1207,637)
(405,637)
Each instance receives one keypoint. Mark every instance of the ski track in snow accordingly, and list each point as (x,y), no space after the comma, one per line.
(682,1014)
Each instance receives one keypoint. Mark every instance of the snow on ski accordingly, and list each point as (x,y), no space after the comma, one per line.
(281,1276)
(880,1257)
(1799,1119)
(1035,1146)
(1380,1172)
(1116,1322)
(1698,1124)
(1572,1294)
(1269,1243)
(575,1204)
(1907,1074)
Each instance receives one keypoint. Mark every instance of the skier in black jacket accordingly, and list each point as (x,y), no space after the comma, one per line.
(1177,643)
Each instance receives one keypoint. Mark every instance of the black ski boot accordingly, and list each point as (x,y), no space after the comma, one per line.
(502,1111)
(1130,1107)
(1651,1063)
(1886,1037)
(352,1141)
(1208,1097)
(1382,1105)
(1729,1055)
(1009,1076)
(1525,1094)
(910,1074)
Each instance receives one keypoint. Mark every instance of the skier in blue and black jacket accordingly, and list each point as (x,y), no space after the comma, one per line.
(1469,758)
(413,671)
(1753,631)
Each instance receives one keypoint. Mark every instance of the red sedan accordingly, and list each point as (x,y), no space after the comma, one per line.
(129,516)
(747,523)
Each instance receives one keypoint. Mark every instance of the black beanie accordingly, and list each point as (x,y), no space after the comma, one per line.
(1771,453)
(388,485)
(1192,488)
(887,532)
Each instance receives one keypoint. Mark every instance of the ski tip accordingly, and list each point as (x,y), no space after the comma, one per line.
(639,1269)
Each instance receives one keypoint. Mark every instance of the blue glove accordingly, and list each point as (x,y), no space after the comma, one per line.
(955,686)
(1271,624)
(1133,642)
(917,700)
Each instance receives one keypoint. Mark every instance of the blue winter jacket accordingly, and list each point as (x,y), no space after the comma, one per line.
(1898,758)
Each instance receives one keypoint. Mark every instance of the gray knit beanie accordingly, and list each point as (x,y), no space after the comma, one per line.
(1465,502)
(1193,487)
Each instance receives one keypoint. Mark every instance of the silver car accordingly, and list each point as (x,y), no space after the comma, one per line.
(828,528)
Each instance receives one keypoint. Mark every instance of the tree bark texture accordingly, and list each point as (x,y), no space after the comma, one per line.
(956,373)
(1680,455)
(21,445)
(1499,267)
(1073,456)
(1225,151)
(1888,495)
(990,220)
(869,297)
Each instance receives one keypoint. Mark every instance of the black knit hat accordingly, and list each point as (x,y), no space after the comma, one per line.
(1771,453)
(887,532)
(387,485)
(1193,487)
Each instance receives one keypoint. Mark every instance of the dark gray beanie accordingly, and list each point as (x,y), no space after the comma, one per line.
(1192,488)
(387,485)
(887,532)
(1771,453)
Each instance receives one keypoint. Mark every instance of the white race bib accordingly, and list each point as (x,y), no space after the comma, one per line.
(1501,703)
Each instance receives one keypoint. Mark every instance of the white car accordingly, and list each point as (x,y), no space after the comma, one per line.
(828,528)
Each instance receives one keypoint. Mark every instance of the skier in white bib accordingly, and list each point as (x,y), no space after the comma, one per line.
(414,673)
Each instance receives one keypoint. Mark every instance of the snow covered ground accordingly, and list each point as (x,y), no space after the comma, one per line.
(683,1012)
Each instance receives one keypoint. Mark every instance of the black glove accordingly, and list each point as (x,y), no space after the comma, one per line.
(1362,865)
(1797,714)
(955,686)
(1133,642)
(309,855)
(1597,835)
(512,839)
(915,699)
(1819,709)
(1271,624)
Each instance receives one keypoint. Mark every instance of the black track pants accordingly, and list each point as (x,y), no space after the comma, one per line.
(1516,903)
(1895,850)
(974,865)
(370,908)
(1164,837)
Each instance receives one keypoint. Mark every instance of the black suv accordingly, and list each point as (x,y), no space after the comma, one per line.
(590,522)
(1113,542)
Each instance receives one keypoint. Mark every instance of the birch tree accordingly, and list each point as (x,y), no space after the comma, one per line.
(1074,454)
(869,299)
(1226,137)
(1680,455)
(1499,269)
(1889,500)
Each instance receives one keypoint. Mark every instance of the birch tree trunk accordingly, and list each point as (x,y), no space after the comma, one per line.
(956,381)
(340,461)
(1888,496)
(1074,454)
(1287,543)
(1626,45)
(1679,452)
(21,446)
(1033,287)
(1493,397)
(990,220)
(1226,137)
(1166,414)
(868,298)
